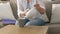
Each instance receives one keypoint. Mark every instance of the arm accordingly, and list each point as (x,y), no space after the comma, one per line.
(40,7)
(41,10)
(20,9)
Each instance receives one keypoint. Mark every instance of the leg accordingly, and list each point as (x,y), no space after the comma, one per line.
(36,22)
(21,22)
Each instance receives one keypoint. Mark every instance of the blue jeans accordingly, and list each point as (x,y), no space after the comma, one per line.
(35,22)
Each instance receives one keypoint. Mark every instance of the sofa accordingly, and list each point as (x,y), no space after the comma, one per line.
(54,28)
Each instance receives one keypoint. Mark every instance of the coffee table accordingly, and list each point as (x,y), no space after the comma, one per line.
(13,29)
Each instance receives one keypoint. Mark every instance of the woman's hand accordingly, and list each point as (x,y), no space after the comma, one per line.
(41,10)
(37,6)
(22,14)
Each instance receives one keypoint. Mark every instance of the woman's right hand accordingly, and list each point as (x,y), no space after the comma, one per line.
(22,14)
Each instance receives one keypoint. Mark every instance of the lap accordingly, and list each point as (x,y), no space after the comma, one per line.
(36,22)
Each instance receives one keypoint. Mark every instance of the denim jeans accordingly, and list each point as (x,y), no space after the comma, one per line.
(35,22)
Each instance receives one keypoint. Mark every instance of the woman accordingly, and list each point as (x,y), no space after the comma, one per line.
(25,5)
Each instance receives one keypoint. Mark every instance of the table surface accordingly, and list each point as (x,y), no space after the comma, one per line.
(12,29)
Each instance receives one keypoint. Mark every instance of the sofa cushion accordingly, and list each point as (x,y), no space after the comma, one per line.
(55,18)
(48,5)
(6,11)
(13,4)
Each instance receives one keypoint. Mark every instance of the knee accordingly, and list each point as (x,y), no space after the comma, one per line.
(39,20)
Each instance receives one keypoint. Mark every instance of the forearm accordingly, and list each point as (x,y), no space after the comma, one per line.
(41,10)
